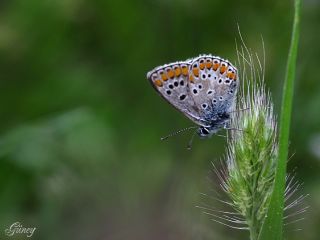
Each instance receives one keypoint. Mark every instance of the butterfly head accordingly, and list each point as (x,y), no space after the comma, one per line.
(205,132)
(221,122)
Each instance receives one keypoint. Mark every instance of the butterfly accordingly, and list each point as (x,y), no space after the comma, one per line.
(202,88)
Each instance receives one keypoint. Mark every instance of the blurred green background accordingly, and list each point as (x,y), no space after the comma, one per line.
(80,125)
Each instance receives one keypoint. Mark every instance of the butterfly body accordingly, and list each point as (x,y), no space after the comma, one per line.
(202,88)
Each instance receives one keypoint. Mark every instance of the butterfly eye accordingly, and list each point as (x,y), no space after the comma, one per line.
(204,131)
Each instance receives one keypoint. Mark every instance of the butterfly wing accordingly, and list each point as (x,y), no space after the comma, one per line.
(171,81)
(213,86)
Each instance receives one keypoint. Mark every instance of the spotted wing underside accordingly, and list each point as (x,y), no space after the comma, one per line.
(213,86)
(172,82)
(200,88)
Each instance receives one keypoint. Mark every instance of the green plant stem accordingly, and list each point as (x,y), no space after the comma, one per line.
(254,229)
(272,227)
(254,225)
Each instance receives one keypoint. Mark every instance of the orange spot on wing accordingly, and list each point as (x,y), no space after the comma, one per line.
(208,65)
(170,73)
(235,77)
(223,68)
(216,66)
(164,76)
(191,78)
(201,66)
(158,83)
(184,70)
(195,71)
(177,71)
(230,75)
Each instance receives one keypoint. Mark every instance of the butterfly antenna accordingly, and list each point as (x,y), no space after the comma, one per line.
(189,146)
(177,132)
(219,135)
(239,110)
(237,129)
